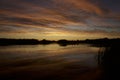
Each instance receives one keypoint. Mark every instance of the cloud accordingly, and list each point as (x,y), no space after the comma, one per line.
(58,15)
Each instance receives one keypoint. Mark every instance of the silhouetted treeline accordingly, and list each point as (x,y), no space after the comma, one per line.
(62,42)
(44,41)
(103,42)
(94,42)
(4,41)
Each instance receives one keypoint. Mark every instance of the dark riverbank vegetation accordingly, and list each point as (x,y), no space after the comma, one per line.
(62,42)
(109,61)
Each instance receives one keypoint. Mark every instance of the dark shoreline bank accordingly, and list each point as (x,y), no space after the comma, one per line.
(94,42)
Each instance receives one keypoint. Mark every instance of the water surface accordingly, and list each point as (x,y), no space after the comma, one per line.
(45,62)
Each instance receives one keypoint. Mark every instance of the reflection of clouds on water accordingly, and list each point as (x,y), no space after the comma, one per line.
(48,59)
(47,50)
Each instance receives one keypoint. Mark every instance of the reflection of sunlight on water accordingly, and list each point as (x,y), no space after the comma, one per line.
(53,51)
(48,58)
(30,47)
(49,48)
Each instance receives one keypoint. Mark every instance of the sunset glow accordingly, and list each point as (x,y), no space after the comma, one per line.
(59,19)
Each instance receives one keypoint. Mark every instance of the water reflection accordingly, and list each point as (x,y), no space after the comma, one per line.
(44,62)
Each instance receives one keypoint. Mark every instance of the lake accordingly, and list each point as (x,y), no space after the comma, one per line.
(49,62)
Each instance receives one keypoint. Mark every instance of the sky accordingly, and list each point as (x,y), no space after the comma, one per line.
(60,19)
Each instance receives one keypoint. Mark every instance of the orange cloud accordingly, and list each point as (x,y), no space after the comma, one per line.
(57,17)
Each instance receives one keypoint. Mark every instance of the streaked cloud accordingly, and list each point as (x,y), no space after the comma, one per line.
(59,17)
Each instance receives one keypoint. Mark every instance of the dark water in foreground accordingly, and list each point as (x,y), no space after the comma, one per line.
(49,62)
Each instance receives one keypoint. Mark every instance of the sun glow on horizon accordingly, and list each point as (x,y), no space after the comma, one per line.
(50,19)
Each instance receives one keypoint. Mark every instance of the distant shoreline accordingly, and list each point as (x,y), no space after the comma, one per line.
(62,42)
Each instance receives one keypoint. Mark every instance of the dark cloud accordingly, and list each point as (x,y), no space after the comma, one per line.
(111,4)
(19,20)
(66,15)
